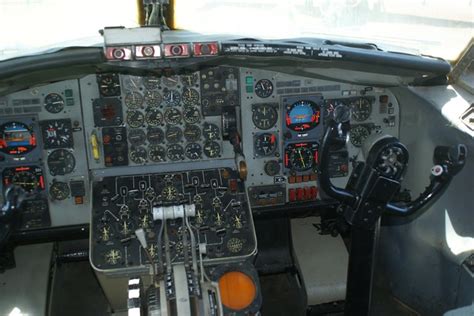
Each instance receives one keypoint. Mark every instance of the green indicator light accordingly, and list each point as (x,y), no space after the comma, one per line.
(249,89)
(68,93)
(69,102)
(249,80)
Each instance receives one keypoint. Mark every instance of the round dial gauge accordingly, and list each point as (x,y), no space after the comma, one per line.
(113,256)
(189,79)
(264,116)
(170,81)
(211,131)
(135,118)
(153,98)
(151,83)
(212,149)
(301,159)
(59,191)
(155,135)
(109,85)
(16,138)
(136,137)
(302,115)
(361,109)
(57,133)
(173,116)
(25,179)
(338,110)
(264,88)
(132,82)
(171,97)
(153,117)
(192,133)
(138,155)
(157,153)
(358,135)
(265,144)
(190,96)
(53,103)
(61,162)
(193,151)
(272,168)
(169,192)
(174,134)
(133,100)
(175,152)
(191,115)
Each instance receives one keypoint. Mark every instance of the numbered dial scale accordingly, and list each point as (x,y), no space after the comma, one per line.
(125,203)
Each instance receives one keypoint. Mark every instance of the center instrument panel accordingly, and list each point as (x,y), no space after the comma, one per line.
(67,139)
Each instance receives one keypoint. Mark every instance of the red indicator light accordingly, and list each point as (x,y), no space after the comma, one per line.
(22,169)
(177,50)
(316,156)
(287,159)
(205,49)
(33,140)
(273,139)
(288,120)
(41,182)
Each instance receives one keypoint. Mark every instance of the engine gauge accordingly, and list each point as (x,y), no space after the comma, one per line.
(170,81)
(151,83)
(17,138)
(301,158)
(133,100)
(361,109)
(212,149)
(265,144)
(192,133)
(264,116)
(175,152)
(173,116)
(189,79)
(57,134)
(135,118)
(153,98)
(211,131)
(54,103)
(138,155)
(157,153)
(132,82)
(171,97)
(193,151)
(191,115)
(264,88)
(136,137)
(153,117)
(109,85)
(174,134)
(302,115)
(113,256)
(169,192)
(59,190)
(358,135)
(61,162)
(155,135)
(190,96)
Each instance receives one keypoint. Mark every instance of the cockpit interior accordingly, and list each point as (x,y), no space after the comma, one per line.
(167,172)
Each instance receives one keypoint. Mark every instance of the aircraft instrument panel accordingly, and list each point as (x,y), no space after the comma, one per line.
(79,143)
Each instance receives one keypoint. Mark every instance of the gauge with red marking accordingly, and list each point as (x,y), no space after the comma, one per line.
(16,138)
(265,144)
(302,116)
(301,156)
(30,178)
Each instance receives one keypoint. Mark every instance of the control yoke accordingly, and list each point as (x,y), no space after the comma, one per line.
(374,183)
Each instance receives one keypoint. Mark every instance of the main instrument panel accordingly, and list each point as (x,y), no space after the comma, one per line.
(65,139)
